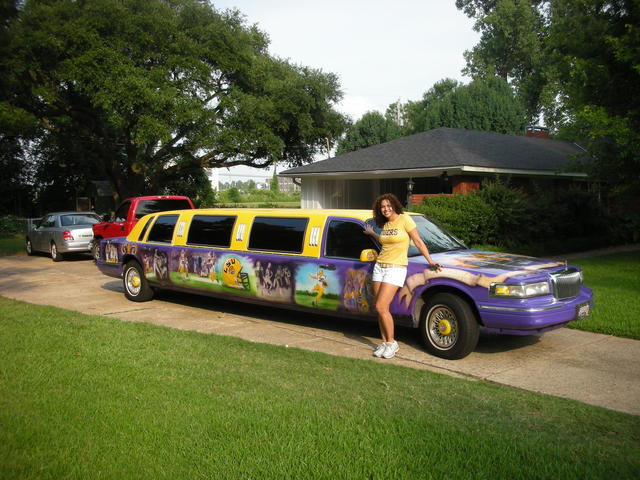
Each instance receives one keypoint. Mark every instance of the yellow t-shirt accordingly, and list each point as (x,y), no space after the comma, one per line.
(395,240)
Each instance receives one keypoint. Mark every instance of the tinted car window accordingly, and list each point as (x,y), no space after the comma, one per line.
(144,229)
(122,212)
(152,206)
(278,234)
(211,230)
(69,220)
(346,239)
(162,230)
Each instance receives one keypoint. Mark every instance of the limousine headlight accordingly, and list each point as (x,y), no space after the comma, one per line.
(525,290)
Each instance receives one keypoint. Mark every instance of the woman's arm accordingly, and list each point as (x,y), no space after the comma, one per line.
(368,230)
(420,245)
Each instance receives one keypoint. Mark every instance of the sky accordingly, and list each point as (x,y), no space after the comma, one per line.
(381,51)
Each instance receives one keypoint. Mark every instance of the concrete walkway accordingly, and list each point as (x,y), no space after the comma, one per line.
(596,369)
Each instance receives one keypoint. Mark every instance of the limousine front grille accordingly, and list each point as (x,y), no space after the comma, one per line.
(566,284)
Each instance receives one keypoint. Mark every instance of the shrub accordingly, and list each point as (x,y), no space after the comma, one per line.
(547,222)
(576,213)
(468,217)
(233,196)
(10,226)
(625,226)
(512,211)
(205,199)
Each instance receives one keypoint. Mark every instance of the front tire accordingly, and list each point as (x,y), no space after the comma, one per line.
(136,287)
(56,256)
(448,326)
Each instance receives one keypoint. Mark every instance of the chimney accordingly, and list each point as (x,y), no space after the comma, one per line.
(536,131)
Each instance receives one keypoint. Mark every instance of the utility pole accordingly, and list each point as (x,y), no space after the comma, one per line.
(399,119)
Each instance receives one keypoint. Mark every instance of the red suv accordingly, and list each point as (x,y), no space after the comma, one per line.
(132,210)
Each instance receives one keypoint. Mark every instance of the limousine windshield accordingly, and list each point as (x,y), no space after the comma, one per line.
(437,239)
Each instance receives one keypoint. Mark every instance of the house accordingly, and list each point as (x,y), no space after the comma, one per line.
(439,161)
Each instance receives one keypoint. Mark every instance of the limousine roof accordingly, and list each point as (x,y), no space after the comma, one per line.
(279,212)
(313,219)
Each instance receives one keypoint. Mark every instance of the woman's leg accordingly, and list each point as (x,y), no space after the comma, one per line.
(384,293)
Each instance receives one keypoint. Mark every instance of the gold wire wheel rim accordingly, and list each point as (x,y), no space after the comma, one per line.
(442,327)
(134,282)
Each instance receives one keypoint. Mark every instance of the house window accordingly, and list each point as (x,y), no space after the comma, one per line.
(432,185)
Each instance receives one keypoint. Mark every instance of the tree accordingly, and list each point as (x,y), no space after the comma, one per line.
(231,195)
(415,110)
(485,104)
(16,179)
(587,69)
(14,182)
(511,46)
(371,129)
(274,187)
(138,91)
(594,48)
(188,178)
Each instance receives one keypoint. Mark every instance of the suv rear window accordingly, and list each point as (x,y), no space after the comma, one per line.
(277,234)
(161,205)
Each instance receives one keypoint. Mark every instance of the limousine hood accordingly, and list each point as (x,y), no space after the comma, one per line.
(477,268)
(496,264)
(481,268)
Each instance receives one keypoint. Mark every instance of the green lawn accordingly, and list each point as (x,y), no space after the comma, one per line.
(88,397)
(12,245)
(615,281)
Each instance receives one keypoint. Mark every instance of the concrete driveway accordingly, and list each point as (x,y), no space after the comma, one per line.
(596,369)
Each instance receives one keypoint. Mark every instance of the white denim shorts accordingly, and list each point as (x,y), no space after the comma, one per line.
(394,275)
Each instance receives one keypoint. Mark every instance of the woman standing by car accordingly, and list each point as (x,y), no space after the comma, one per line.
(390,270)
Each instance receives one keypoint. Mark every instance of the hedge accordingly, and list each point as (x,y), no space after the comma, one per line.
(545,222)
(10,226)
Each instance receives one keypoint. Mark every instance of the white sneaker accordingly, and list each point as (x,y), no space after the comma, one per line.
(390,350)
(380,350)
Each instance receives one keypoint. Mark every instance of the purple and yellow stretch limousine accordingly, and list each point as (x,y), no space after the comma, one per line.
(321,261)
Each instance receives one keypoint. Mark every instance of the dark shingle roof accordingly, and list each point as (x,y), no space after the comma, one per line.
(450,147)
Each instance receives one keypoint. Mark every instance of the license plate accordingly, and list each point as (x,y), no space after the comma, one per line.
(583,310)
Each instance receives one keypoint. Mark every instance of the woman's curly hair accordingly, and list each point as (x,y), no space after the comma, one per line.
(377,212)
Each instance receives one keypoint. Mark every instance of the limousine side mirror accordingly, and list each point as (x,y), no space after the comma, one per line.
(368,255)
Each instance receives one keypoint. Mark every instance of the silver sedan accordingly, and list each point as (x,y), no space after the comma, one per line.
(62,232)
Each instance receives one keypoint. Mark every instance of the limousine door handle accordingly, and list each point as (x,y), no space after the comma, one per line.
(328,267)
